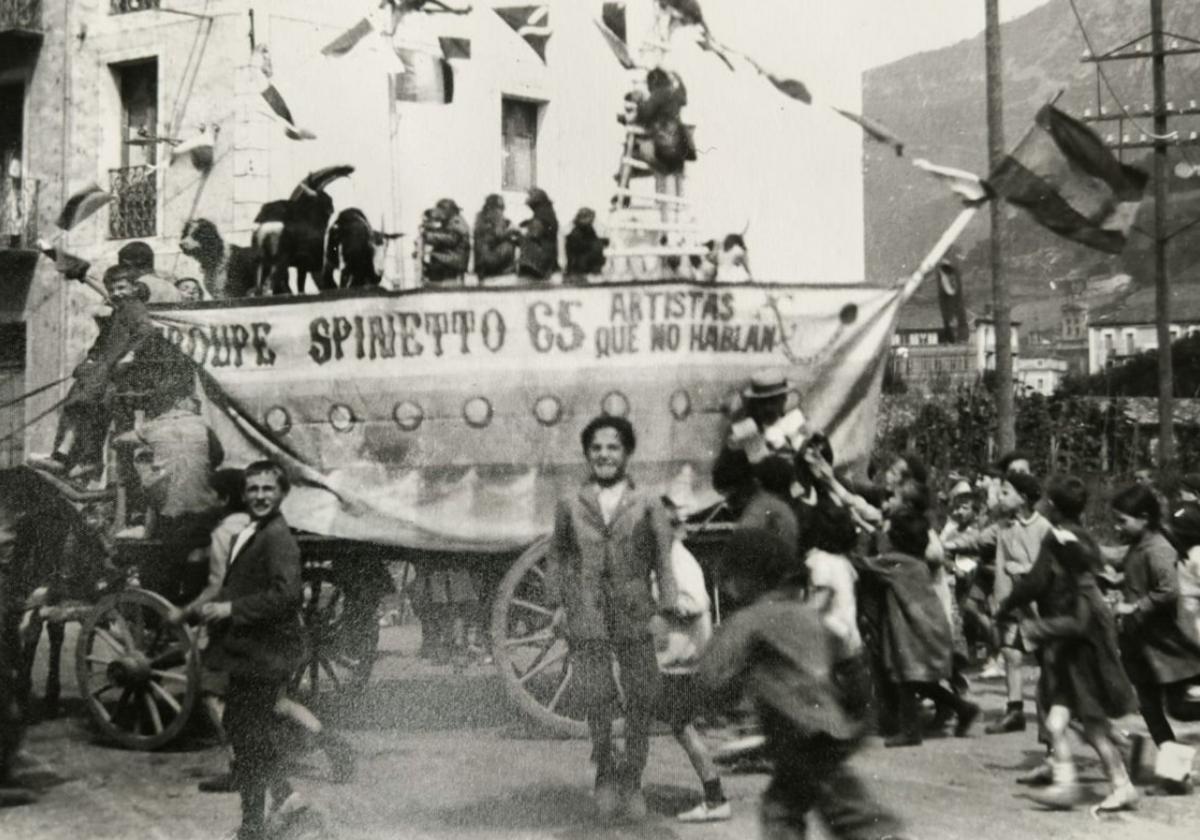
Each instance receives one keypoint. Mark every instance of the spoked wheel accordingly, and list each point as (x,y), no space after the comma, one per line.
(137,671)
(533,659)
(342,630)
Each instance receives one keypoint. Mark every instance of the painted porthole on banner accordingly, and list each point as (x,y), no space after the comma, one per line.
(548,410)
(477,411)
(341,418)
(615,404)
(408,415)
(278,420)
(681,405)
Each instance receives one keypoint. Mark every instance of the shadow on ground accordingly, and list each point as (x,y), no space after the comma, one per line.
(424,704)
(567,812)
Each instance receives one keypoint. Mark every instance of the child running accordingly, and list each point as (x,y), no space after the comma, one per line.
(1081,673)
(778,650)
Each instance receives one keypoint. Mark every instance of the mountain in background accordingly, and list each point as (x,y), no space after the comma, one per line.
(936,101)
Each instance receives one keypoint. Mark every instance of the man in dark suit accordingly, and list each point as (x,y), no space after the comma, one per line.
(257,639)
(608,538)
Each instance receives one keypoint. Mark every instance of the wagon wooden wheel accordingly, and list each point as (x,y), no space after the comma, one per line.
(342,633)
(137,671)
(533,659)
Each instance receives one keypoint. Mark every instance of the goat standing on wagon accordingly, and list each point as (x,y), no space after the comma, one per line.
(291,234)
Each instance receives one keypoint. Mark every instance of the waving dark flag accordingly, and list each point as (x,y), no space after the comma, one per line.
(82,204)
(1064,175)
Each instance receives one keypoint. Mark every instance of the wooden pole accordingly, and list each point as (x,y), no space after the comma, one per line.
(1001,303)
(1162,285)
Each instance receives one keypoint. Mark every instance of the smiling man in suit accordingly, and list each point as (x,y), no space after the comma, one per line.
(609,536)
(257,638)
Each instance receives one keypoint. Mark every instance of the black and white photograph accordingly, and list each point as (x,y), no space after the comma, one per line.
(583,419)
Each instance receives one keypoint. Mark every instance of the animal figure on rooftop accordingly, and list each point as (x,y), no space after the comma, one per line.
(291,234)
(229,271)
(354,248)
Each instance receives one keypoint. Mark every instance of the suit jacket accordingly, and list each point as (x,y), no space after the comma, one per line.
(263,635)
(601,572)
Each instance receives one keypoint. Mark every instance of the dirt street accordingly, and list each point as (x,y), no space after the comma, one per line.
(443,755)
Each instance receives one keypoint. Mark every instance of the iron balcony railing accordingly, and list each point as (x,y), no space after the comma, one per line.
(19,205)
(133,212)
(20,16)
(120,7)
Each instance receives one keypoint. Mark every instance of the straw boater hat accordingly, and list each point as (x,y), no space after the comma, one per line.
(766,384)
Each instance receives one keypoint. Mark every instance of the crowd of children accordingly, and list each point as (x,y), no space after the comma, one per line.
(893,592)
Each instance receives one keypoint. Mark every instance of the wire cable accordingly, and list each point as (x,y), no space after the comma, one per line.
(1087,39)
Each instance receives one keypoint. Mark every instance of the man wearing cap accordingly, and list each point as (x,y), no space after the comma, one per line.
(754,470)
(447,239)
(1018,544)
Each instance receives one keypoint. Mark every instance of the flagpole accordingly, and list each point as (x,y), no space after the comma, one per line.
(1162,283)
(1006,435)
(939,250)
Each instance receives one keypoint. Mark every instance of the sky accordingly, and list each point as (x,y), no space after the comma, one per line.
(828,43)
(892,29)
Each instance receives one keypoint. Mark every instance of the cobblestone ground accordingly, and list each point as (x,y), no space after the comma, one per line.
(442,755)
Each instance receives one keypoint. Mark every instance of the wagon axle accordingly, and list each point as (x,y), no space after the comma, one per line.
(132,670)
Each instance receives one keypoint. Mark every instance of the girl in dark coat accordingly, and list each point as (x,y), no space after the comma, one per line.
(1081,674)
(1160,650)
(914,631)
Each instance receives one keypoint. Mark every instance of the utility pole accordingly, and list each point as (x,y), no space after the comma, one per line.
(1006,435)
(1160,111)
(1162,285)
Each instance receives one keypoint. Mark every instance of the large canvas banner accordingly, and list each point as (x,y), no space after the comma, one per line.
(450,419)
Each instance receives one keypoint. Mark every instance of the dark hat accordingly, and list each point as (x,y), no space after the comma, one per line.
(448,205)
(1026,485)
(766,384)
(585,216)
(1183,530)
(1191,481)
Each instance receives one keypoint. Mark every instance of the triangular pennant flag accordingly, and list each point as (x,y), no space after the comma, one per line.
(427,77)
(794,88)
(612,16)
(280,108)
(875,131)
(1064,175)
(531,22)
(349,39)
(82,204)
(455,47)
(617,45)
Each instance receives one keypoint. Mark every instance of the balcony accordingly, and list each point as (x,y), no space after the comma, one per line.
(21,18)
(133,212)
(122,7)
(19,205)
